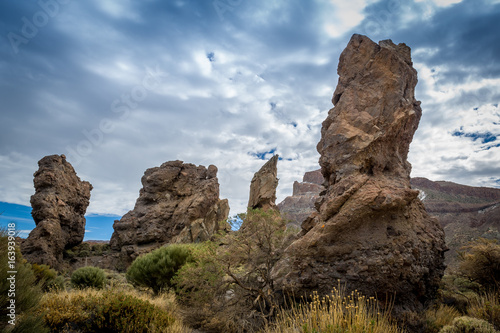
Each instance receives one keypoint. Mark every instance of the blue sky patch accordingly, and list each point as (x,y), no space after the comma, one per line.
(485,137)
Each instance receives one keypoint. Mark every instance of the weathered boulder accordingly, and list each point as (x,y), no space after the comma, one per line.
(370,230)
(179,202)
(59,206)
(299,206)
(263,186)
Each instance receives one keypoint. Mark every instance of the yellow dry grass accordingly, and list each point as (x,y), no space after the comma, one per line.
(335,313)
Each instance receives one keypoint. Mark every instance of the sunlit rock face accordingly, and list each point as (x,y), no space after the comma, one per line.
(179,202)
(370,230)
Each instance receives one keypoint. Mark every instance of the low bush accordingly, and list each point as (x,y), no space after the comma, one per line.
(88,277)
(108,311)
(468,325)
(155,270)
(48,277)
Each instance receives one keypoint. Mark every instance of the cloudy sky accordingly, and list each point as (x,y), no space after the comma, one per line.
(119,86)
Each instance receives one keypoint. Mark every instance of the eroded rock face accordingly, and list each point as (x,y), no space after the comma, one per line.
(370,230)
(59,206)
(299,206)
(263,186)
(179,202)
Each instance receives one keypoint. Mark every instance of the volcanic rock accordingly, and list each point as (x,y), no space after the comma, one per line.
(263,186)
(370,230)
(179,202)
(59,206)
(297,207)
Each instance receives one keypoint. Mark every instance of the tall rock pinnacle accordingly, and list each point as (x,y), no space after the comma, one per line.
(263,186)
(59,206)
(370,230)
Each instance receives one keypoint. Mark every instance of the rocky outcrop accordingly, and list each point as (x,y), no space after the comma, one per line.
(297,207)
(263,186)
(465,212)
(370,230)
(179,202)
(59,206)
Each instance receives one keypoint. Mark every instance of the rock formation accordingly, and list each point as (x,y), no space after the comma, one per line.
(297,207)
(179,202)
(263,186)
(371,231)
(59,206)
(465,212)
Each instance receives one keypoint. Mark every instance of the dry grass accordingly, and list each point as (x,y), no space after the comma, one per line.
(335,313)
(437,318)
(487,307)
(68,309)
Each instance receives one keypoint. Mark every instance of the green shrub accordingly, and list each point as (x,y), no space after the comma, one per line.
(155,270)
(104,311)
(439,316)
(468,325)
(88,277)
(48,277)
(27,291)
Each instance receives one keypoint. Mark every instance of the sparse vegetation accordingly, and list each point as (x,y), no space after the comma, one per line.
(88,277)
(337,312)
(155,270)
(110,311)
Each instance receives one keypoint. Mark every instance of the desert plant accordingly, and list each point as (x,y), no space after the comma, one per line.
(337,312)
(21,287)
(486,307)
(88,277)
(229,281)
(468,325)
(48,277)
(439,316)
(155,270)
(93,310)
(480,262)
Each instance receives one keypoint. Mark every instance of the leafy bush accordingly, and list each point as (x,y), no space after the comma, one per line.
(26,292)
(155,270)
(106,311)
(88,277)
(458,292)
(480,262)
(468,325)
(48,277)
